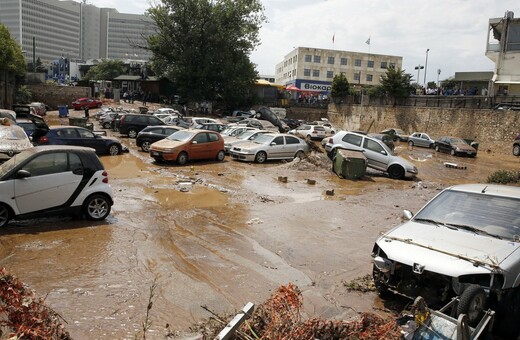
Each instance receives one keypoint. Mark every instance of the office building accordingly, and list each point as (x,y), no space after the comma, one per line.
(313,69)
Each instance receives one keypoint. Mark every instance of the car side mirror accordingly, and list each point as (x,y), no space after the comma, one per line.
(383,152)
(22,174)
(407,214)
(194,142)
(272,143)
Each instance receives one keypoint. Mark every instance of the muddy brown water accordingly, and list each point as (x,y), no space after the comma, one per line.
(220,235)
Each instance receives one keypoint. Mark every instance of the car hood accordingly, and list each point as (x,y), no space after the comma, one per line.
(447,251)
(464,146)
(15,145)
(167,144)
(249,145)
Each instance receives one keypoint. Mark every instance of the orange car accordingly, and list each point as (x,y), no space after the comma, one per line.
(185,145)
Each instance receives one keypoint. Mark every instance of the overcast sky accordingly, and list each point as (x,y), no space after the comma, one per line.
(455,31)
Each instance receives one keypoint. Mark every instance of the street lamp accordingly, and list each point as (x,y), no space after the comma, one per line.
(438,74)
(426,66)
(418,68)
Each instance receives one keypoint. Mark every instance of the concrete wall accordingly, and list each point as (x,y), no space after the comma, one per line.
(493,129)
(53,95)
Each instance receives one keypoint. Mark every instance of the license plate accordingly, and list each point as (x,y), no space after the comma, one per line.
(155,153)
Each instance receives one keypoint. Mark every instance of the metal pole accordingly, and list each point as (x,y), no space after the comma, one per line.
(426,66)
(6,74)
(438,74)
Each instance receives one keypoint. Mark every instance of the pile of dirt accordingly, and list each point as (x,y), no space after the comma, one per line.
(312,162)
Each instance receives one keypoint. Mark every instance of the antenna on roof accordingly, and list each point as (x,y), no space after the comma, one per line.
(484,190)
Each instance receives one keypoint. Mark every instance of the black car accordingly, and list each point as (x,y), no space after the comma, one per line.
(152,134)
(79,136)
(396,134)
(516,145)
(132,124)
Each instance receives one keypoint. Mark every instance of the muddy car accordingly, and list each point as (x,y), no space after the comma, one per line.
(465,242)
(516,145)
(455,146)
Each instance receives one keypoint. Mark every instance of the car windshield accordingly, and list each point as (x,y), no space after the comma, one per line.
(399,131)
(457,140)
(12,134)
(263,139)
(181,136)
(12,162)
(485,214)
(246,134)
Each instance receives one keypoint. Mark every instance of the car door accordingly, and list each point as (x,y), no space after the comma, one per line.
(443,144)
(276,148)
(198,148)
(292,145)
(425,140)
(53,181)
(375,153)
(89,139)
(67,136)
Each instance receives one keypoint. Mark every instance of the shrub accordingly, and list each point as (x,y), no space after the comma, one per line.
(504,177)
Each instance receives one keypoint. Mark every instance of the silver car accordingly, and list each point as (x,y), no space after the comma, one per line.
(378,154)
(465,242)
(270,146)
(421,139)
(244,137)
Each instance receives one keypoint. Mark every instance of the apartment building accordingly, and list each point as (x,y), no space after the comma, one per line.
(53,29)
(503,48)
(313,69)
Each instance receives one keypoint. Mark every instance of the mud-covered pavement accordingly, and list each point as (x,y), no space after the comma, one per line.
(220,235)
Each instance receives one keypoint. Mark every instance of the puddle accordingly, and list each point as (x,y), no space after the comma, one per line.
(196,197)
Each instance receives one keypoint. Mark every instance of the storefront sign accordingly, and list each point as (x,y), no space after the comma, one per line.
(315,87)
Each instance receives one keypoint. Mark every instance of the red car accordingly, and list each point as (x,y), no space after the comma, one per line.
(83,103)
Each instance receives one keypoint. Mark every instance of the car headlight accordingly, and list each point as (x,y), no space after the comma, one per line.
(170,150)
(457,149)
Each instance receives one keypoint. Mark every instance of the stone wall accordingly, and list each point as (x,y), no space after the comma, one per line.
(53,95)
(308,114)
(491,128)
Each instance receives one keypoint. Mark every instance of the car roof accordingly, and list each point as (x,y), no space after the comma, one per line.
(48,148)
(491,189)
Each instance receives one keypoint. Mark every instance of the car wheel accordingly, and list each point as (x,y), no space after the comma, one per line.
(261,157)
(437,148)
(132,133)
(5,215)
(472,302)
(145,145)
(452,152)
(182,158)
(114,150)
(220,155)
(431,146)
(396,172)
(300,154)
(516,150)
(380,280)
(308,138)
(96,207)
(106,125)
(410,143)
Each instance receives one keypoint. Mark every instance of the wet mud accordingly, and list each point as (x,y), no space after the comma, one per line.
(220,235)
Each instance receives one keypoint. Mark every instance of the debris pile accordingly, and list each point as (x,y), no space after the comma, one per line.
(279,318)
(312,161)
(23,315)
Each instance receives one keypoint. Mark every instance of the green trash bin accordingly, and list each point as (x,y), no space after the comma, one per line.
(349,164)
(78,121)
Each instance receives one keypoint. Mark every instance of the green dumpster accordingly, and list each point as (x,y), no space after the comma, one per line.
(349,164)
(78,121)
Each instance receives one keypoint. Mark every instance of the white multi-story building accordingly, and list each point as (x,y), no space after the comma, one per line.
(53,29)
(313,69)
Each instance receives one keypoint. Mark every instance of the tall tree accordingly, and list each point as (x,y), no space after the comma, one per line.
(204,45)
(340,88)
(106,70)
(12,62)
(396,84)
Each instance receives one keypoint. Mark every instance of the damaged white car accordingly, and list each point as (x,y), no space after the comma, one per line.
(465,242)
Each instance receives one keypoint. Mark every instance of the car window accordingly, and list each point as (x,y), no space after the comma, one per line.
(212,137)
(85,133)
(74,162)
(319,128)
(154,120)
(158,130)
(67,133)
(372,145)
(201,138)
(46,164)
(352,139)
(167,131)
(278,140)
(292,140)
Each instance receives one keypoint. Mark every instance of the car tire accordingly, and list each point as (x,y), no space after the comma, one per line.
(396,172)
(379,278)
(106,126)
(431,146)
(182,158)
(410,143)
(96,207)
(5,215)
(145,145)
(472,302)
(261,157)
(221,155)
(114,149)
(300,154)
(132,133)
(437,148)
(452,152)
(516,150)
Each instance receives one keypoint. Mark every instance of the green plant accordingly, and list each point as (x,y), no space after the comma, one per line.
(23,95)
(340,87)
(504,177)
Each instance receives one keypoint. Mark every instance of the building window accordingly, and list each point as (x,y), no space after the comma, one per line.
(356,76)
(369,77)
(343,61)
(383,64)
(357,62)
(330,60)
(317,59)
(315,73)
(370,64)
(307,72)
(308,58)
(330,74)
(392,65)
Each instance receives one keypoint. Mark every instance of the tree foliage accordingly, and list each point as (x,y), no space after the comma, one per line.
(396,83)
(11,57)
(203,46)
(340,87)
(106,70)
(449,84)
(431,85)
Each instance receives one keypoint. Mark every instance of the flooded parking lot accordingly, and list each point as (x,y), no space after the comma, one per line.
(220,235)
